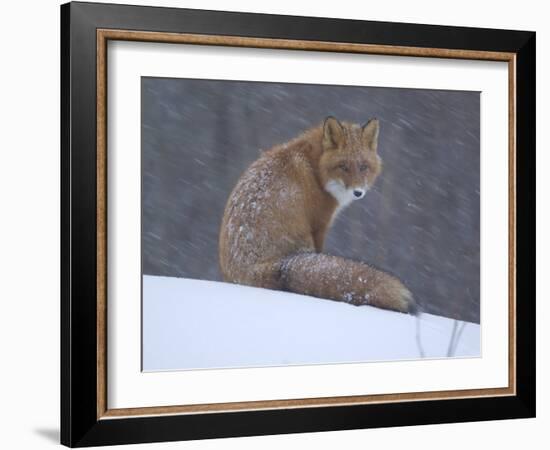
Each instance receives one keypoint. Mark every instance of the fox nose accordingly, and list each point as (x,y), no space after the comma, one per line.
(358,193)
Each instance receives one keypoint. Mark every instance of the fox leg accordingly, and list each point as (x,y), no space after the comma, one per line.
(341,279)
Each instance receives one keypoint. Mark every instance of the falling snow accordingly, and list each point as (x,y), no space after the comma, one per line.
(420,221)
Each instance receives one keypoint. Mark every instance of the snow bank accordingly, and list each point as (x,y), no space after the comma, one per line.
(190,324)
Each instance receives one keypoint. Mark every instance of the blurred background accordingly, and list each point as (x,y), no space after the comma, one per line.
(419,222)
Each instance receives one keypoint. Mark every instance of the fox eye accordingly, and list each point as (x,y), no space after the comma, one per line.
(343,167)
(363,167)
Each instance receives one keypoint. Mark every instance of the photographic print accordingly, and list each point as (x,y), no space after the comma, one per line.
(325,222)
(294,224)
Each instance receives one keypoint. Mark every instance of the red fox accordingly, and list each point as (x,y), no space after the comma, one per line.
(278,215)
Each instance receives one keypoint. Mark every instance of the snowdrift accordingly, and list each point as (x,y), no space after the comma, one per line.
(191,324)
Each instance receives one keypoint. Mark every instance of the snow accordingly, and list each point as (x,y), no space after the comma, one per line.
(193,324)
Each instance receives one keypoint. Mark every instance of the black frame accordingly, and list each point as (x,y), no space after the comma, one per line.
(79,423)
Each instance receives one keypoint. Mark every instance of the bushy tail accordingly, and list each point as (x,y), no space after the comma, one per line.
(340,279)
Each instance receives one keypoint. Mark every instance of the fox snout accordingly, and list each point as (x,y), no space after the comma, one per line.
(345,194)
(358,193)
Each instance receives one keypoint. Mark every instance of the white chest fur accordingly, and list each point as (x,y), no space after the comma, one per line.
(342,195)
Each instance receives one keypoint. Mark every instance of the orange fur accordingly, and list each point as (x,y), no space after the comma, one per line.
(278,214)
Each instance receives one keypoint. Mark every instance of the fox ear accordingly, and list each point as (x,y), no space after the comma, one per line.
(370,134)
(333,134)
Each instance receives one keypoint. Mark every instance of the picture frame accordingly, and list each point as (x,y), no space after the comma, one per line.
(86,419)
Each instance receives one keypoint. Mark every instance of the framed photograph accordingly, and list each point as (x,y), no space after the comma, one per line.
(276,224)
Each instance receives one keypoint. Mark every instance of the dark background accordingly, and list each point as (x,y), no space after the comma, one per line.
(420,221)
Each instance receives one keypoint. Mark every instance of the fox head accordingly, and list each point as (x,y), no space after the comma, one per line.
(349,162)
